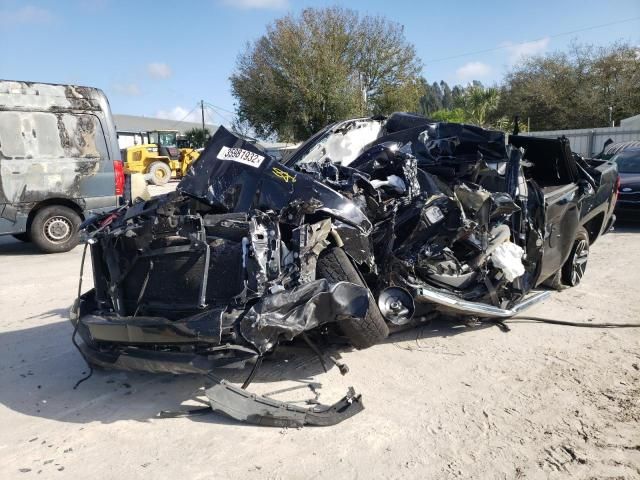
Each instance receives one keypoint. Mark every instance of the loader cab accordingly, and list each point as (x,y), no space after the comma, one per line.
(167,142)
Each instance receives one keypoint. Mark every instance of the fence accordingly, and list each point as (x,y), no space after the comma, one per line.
(590,141)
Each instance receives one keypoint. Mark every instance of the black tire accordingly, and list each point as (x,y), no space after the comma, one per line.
(54,229)
(159,173)
(335,266)
(575,266)
(23,237)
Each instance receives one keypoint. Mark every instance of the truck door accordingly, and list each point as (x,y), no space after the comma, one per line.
(550,164)
(562,220)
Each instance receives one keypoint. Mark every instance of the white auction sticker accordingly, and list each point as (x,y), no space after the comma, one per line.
(434,214)
(241,156)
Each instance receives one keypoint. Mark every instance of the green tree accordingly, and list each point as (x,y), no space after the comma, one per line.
(447,97)
(197,137)
(431,99)
(321,66)
(456,92)
(475,104)
(455,115)
(478,103)
(574,89)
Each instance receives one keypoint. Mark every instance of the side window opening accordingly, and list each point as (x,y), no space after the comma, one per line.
(33,135)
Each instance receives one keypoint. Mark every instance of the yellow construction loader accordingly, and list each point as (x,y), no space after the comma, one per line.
(159,159)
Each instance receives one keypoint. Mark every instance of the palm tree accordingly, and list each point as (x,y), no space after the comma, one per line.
(478,103)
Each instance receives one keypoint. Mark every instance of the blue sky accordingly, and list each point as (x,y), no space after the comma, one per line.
(158,58)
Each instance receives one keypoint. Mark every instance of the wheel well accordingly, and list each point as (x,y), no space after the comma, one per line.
(54,201)
(594,226)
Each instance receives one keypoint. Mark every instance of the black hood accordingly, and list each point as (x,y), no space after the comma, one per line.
(234,175)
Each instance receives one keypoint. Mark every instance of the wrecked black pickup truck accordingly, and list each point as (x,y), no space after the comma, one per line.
(371,226)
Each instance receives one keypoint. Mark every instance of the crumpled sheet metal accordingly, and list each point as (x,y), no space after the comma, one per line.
(442,140)
(264,185)
(289,313)
(218,182)
(244,406)
(312,240)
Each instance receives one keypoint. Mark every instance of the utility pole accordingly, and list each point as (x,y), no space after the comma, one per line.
(611,116)
(362,80)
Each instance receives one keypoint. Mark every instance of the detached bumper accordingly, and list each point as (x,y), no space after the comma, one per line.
(140,360)
(154,344)
(245,406)
(452,304)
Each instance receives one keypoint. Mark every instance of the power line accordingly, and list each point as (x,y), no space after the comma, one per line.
(220,108)
(216,111)
(184,118)
(211,114)
(502,47)
(223,117)
(213,122)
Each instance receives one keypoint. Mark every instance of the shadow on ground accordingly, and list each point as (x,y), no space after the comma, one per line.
(627,225)
(39,367)
(11,246)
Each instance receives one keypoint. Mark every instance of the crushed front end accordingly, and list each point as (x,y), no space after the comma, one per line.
(200,278)
(372,226)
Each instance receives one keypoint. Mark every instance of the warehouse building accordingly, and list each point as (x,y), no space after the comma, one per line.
(590,141)
(131,128)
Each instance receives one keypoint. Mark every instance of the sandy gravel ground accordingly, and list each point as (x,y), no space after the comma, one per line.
(541,401)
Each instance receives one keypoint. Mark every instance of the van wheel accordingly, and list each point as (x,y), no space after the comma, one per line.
(575,266)
(54,229)
(159,173)
(335,266)
(23,237)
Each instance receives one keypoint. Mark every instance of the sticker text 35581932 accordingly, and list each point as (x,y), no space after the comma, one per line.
(241,155)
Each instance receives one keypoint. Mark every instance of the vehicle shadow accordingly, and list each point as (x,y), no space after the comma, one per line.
(12,246)
(441,327)
(39,368)
(627,225)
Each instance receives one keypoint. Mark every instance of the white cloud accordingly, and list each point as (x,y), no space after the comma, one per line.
(518,51)
(159,70)
(180,114)
(473,71)
(25,15)
(128,89)
(256,4)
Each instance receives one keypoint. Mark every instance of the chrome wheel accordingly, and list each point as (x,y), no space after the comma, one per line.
(579,261)
(57,229)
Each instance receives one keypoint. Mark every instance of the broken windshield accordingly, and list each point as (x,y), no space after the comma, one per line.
(343,143)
